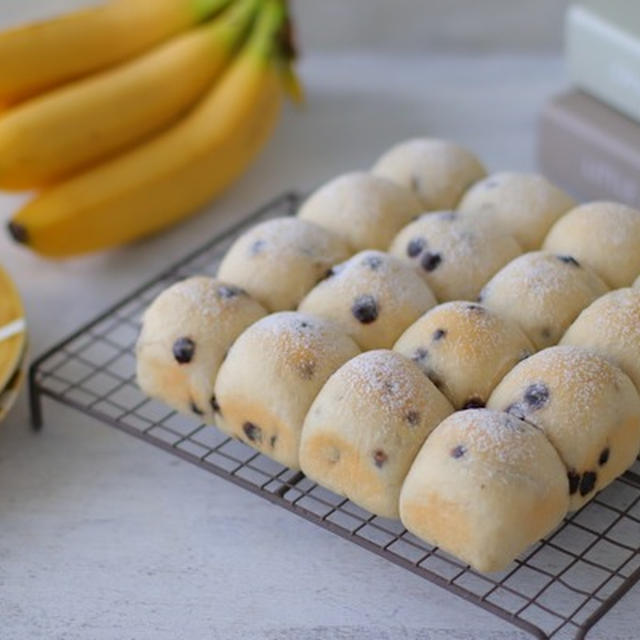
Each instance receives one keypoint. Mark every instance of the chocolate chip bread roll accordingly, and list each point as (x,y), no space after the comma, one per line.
(280,260)
(605,236)
(366,210)
(373,296)
(272,374)
(437,171)
(185,335)
(610,327)
(525,205)
(455,254)
(587,407)
(366,426)
(465,350)
(484,487)
(542,292)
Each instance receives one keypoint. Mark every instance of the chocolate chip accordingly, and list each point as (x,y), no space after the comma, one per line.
(230,291)
(303,324)
(516,410)
(307,369)
(604,457)
(588,482)
(476,308)
(257,247)
(415,247)
(430,261)
(183,350)
(473,403)
(388,387)
(574,481)
(195,408)
(420,354)
(328,274)
(373,262)
(569,260)
(458,452)
(272,441)
(438,334)
(214,404)
(536,395)
(365,309)
(412,417)
(545,332)
(379,458)
(252,431)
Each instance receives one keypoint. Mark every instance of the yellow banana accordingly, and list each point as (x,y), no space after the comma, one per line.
(60,132)
(41,55)
(160,182)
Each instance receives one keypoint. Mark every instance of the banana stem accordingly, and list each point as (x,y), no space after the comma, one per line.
(235,22)
(205,9)
(264,42)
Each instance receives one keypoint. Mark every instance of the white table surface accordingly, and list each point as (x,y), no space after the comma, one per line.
(105,537)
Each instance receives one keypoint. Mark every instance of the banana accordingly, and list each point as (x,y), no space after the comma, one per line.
(171,176)
(41,55)
(65,130)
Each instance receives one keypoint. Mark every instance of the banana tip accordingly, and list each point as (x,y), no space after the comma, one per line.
(18,232)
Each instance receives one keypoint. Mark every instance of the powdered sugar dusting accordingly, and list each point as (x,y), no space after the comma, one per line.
(614,225)
(615,315)
(391,280)
(539,276)
(574,370)
(299,333)
(494,436)
(386,377)
(281,237)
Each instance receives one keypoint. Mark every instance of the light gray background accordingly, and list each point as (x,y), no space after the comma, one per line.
(395,25)
(103,537)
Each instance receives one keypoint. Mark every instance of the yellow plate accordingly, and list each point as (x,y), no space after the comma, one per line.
(9,394)
(12,324)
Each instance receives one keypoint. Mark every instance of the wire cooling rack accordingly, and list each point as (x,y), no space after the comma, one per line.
(559,588)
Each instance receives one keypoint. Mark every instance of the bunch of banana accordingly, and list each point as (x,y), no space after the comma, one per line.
(130,150)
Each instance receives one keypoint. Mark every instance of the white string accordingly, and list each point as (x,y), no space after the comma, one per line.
(12,329)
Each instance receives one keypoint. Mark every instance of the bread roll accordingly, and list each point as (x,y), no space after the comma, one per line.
(455,254)
(373,296)
(366,426)
(185,335)
(484,487)
(525,205)
(604,236)
(543,293)
(465,350)
(366,210)
(610,327)
(587,407)
(272,374)
(280,260)
(437,171)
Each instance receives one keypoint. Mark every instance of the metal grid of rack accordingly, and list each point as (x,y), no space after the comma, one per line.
(559,588)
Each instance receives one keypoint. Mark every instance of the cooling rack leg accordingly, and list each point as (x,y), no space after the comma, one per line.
(35,401)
